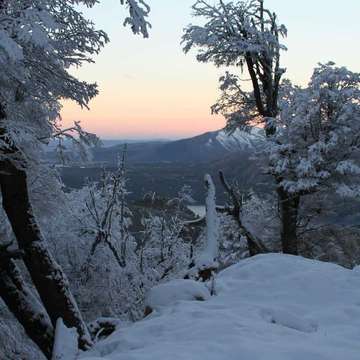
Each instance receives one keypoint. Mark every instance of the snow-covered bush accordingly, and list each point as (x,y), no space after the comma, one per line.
(156,253)
(161,249)
(87,230)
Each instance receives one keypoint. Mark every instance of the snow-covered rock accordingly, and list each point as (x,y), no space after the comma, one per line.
(170,293)
(270,307)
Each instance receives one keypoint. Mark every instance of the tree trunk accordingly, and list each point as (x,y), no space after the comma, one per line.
(289,210)
(47,276)
(25,307)
(255,246)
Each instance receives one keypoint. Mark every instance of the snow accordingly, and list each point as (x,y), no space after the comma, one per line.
(174,291)
(239,139)
(66,342)
(209,255)
(11,49)
(273,307)
(198,210)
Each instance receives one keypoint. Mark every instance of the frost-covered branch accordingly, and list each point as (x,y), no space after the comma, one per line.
(138,13)
(107,215)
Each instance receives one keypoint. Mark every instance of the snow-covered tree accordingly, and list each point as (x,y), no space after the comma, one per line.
(161,249)
(39,42)
(318,131)
(317,142)
(108,278)
(36,53)
(109,275)
(164,251)
(246,34)
(241,33)
(107,216)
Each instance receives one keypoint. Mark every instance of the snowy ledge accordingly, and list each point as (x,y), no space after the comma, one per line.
(272,307)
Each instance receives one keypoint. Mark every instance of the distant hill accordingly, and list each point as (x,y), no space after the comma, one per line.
(204,148)
(164,167)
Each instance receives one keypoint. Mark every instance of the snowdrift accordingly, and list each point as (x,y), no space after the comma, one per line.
(271,307)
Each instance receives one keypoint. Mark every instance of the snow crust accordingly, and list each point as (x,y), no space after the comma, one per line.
(174,291)
(270,307)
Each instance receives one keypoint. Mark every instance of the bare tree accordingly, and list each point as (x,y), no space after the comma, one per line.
(108,213)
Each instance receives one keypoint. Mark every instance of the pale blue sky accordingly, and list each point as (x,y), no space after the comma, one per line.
(149,88)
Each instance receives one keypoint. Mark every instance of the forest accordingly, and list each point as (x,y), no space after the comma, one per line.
(101,272)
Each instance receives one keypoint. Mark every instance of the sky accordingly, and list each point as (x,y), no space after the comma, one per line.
(150,89)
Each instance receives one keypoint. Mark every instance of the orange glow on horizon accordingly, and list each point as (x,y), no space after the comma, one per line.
(155,112)
(150,89)
(142,122)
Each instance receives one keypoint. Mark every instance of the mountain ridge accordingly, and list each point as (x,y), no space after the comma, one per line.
(206,147)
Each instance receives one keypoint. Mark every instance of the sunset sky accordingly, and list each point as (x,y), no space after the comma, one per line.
(150,89)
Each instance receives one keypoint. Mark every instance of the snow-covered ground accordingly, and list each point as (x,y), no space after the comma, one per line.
(271,307)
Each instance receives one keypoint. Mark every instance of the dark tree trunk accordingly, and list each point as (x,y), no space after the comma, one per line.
(25,307)
(289,210)
(47,276)
(255,245)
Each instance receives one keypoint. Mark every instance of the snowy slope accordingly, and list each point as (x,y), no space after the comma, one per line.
(271,307)
(239,139)
(210,146)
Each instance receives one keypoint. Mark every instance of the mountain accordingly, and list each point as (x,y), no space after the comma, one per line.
(203,148)
(165,166)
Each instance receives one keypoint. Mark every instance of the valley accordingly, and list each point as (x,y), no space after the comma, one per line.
(164,167)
